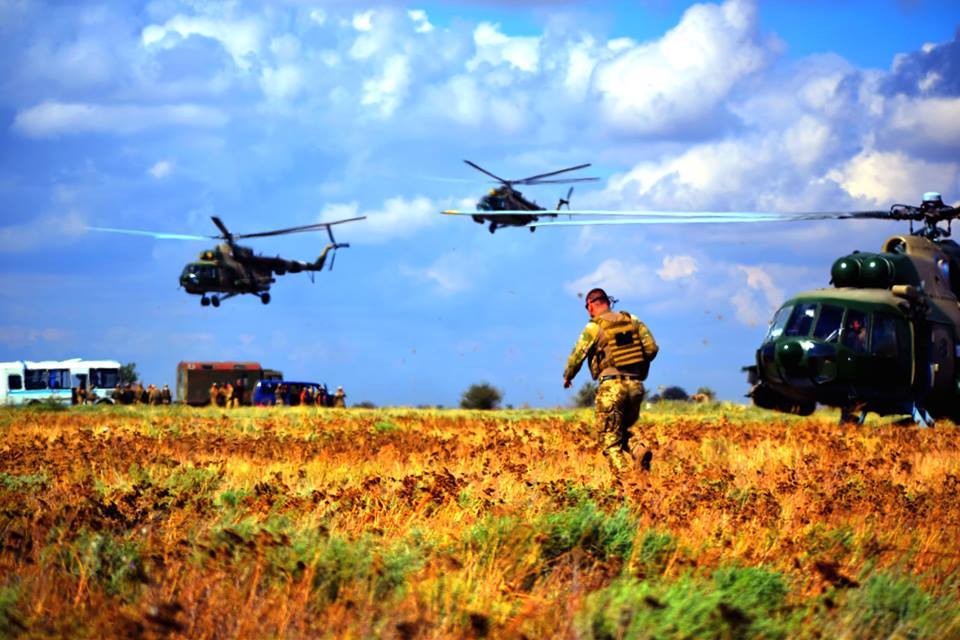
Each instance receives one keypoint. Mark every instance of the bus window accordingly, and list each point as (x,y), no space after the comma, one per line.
(14,383)
(884,336)
(801,319)
(855,331)
(779,320)
(828,324)
(104,378)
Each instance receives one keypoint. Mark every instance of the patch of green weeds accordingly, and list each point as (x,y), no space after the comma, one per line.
(584,526)
(114,564)
(11,619)
(20,483)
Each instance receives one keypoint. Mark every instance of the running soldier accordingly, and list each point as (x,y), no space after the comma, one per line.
(619,349)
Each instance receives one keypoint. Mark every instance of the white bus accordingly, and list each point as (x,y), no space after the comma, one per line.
(26,382)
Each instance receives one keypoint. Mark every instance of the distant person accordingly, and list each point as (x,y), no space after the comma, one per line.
(228,395)
(117,393)
(240,393)
(215,395)
(619,348)
(165,395)
(281,395)
(153,395)
(340,399)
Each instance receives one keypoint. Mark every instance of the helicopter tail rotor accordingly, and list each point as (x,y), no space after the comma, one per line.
(565,201)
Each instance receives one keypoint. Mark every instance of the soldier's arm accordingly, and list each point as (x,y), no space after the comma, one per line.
(580,351)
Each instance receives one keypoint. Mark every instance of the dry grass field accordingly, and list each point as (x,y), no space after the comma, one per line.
(297,523)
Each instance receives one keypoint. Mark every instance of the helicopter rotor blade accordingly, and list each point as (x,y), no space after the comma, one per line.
(317,226)
(482,170)
(159,235)
(223,228)
(557,181)
(528,180)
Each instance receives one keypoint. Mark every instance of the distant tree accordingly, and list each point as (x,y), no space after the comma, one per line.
(710,394)
(675,393)
(481,396)
(366,404)
(586,395)
(128,373)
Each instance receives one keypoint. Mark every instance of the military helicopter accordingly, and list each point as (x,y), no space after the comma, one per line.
(233,270)
(885,338)
(504,206)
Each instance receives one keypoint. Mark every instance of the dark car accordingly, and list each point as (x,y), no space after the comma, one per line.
(290,393)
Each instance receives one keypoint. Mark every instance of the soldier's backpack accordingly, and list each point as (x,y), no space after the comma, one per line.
(626,343)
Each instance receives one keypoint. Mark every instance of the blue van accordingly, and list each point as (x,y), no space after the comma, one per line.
(268,393)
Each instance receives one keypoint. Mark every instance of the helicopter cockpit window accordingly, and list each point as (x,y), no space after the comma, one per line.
(801,319)
(855,330)
(884,336)
(828,324)
(779,321)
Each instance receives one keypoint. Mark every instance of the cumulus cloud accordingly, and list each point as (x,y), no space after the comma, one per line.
(617,278)
(761,297)
(242,38)
(398,217)
(57,118)
(161,169)
(677,81)
(677,267)
(887,177)
(493,47)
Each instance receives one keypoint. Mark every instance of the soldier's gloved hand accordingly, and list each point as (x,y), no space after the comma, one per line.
(567,383)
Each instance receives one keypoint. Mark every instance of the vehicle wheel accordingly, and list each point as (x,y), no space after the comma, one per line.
(215,301)
(204,301)
(265,298)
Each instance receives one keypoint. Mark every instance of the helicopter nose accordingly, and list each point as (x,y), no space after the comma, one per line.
(790,355)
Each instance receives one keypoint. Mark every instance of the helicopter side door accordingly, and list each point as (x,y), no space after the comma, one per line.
(891,364)
(942,357)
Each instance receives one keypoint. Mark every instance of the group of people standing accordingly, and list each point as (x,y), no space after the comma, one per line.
(133,393)
(229,395)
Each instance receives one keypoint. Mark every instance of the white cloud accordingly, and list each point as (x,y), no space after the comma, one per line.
(398,217)
(678,80)
(759,300)
(887,177)
(161,169)
(388,90)
(241,38)
(55,118)
(677,267)
(319,16)
(363,21)
(450,273)
(617,278)
(419,18)
(495,48)
(282,83)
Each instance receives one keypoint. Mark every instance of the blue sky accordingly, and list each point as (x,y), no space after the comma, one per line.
(157,115)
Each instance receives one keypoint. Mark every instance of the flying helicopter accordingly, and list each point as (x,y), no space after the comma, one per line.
(884,338)
(229,269)
(504,206)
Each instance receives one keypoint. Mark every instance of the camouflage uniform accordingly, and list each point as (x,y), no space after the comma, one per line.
(620,391)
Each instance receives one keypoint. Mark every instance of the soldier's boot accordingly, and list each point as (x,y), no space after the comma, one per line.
(646,459)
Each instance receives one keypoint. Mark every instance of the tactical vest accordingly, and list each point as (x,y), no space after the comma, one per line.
(622,347)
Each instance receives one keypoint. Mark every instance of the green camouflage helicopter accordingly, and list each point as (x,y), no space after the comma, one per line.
(229,269)
(885,338)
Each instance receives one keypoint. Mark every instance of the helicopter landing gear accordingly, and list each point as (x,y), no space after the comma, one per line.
(532,229)
(852,415)
(493,227)
(204,301)
(265,298)
(215,301)
(922,417)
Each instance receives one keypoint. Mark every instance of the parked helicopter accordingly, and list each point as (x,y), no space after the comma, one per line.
(504,206)
(885,338)
(232,269)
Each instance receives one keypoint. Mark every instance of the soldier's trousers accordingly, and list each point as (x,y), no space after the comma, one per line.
(618,407)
